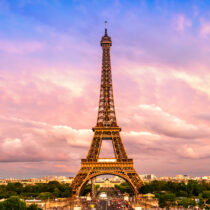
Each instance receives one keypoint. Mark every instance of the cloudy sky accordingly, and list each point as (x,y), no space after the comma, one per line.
(50,63)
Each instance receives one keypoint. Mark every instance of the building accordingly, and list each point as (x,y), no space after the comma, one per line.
(148,177)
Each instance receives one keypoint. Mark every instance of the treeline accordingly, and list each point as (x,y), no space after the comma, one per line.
(40,190)
(14,203)
(192,188)
(186,195)
(171,194)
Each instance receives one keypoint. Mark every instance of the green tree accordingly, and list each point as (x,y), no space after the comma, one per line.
(56,192)
(15,187)
(206,194)
(86,190)
(201,203)
(33,207)
(167,200)
(45,195)
(194,188)
(124,188)
(187,203)
(13,203)
(52,185)
(2,207)
(67,193)
(182,194)
(147,188)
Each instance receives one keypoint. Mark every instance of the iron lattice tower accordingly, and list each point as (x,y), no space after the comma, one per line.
(106,129)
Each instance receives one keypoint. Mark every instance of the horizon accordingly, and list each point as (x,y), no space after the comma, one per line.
(101,176)
(50,68)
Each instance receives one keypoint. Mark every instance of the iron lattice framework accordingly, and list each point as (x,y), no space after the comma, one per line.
(106,129)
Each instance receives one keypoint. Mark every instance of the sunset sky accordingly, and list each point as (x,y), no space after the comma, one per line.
(50,65)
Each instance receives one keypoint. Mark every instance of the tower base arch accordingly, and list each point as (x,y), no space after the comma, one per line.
(90,170)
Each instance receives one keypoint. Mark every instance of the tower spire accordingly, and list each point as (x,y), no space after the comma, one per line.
(105,28)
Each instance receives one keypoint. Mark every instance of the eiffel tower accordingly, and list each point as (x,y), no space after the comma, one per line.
(106,129)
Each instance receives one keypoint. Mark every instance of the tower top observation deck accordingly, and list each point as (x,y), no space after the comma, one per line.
(106,40)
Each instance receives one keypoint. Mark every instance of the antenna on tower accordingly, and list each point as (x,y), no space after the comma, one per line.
(105,28)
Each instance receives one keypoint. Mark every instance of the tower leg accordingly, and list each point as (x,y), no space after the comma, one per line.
(93,193)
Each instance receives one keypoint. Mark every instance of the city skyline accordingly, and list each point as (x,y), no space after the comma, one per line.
(50,67)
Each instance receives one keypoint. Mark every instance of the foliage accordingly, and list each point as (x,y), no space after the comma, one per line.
(124,188)
(184,193)
(33,207)
(55,189)
(15,203)
(191,189)
(45,195)
(88,189)
(201,203)
(167,200)
(206,194)
(187,202)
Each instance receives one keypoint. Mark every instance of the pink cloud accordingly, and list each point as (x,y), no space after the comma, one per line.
(155,119)
(194,151)
(20,47)
(205,29)
(181,22)
(42,94)
(37,141)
